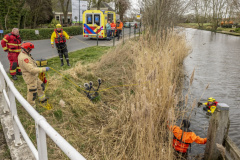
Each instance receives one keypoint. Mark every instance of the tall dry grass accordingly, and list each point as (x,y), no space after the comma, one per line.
(137,130)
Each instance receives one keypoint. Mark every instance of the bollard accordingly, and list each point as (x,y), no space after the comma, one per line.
(113,40)
(217,131)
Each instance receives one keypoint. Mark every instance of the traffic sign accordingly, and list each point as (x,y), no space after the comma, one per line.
(139,16)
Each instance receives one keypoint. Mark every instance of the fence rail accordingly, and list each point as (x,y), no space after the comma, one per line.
(10,94)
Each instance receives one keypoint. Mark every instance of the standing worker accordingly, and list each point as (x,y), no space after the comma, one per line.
(113,28)
(30,74)
(11,43)
(60,36)
(183,137)
(108,28)
(119,26)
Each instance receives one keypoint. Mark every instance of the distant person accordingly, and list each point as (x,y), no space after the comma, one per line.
(119,26)
(35,87)
(210,105)
(60,36)
(108,28)
(113,28)
(135,25)
(183,137)
(11,43)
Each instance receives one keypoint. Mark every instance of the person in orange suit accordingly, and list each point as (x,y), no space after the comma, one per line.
(113,28)
(183,137)
(119,26)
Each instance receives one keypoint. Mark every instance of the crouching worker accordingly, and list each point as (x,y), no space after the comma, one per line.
(210,105)
(30,73)
(183,137)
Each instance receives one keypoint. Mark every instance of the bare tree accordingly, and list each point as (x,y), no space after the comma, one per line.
(64,6)
(121,6)
(161,15)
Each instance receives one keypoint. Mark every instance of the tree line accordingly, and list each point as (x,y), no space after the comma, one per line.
(214,11)
(32,13)
(24,13)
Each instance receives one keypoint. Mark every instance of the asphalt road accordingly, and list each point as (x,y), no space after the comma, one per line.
(44,50)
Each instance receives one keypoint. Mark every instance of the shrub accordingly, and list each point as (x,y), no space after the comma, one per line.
(45,33)
(237,30)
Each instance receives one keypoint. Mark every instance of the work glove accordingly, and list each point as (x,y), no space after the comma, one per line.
(47,68)
(199,104)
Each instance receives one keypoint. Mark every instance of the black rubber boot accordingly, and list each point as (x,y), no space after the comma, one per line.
(19,73)
(68,62)
(14,77)
(62,62)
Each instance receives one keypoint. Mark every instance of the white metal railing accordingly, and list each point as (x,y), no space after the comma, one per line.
(10,93)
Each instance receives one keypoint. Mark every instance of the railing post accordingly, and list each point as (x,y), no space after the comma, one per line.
(13,107)
(3,91)
(123,35)
(97,37)
(217,131)
(130,32)
(139,30)
(113,40)
(134,32)
(41,141)
(2,82)
(4,102)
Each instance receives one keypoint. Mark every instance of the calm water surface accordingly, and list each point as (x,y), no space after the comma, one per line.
(216,59)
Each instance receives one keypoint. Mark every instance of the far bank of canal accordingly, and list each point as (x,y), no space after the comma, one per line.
(216,59)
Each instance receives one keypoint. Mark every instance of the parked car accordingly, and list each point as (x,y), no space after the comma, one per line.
(127,25)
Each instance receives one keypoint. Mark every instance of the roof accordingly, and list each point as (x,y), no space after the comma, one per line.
(103,5)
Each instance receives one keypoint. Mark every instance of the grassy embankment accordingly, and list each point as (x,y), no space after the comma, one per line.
(208,27)
(127,122)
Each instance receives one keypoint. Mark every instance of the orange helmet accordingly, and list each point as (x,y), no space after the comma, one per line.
(27,45)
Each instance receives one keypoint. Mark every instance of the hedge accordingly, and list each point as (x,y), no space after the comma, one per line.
(237,30)
(45,33)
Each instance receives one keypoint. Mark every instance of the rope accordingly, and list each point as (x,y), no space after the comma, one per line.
(48,106)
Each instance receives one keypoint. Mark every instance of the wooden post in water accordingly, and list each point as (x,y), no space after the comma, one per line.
(217,131)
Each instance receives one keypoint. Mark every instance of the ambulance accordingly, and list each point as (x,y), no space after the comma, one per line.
(94,23)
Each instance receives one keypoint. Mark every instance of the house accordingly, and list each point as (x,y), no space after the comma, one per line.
(103,7)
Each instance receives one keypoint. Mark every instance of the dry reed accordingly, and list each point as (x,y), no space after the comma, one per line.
(128,122)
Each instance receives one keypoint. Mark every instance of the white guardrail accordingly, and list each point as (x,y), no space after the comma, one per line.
(42,126)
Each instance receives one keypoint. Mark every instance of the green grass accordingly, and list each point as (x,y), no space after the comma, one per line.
(57,116)
(87,55)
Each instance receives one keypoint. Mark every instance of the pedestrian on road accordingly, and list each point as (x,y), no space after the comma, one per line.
(30,74)
(119,26)
(11,43)
(113,28)
(108,28)
(183,137)
(60,36)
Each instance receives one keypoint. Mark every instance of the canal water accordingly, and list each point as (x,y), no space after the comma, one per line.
(216,60)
